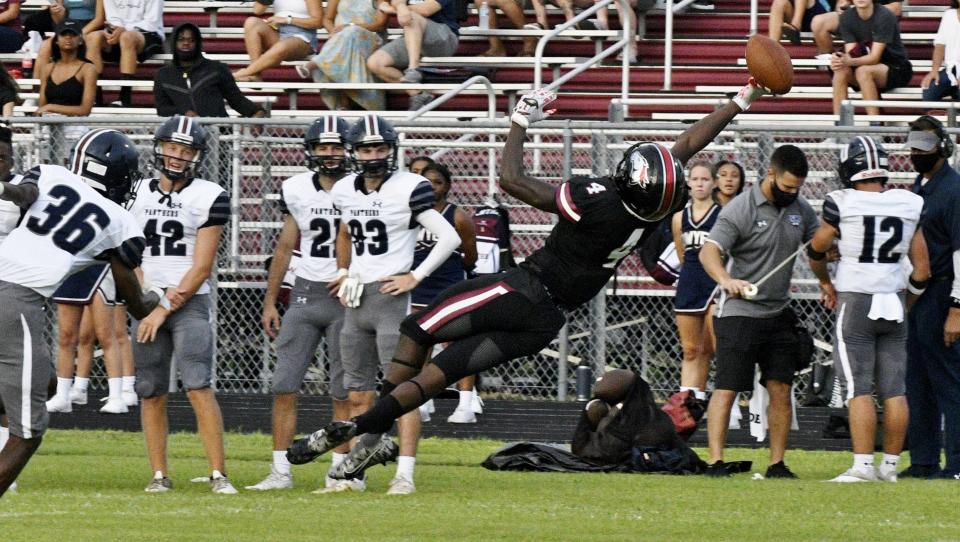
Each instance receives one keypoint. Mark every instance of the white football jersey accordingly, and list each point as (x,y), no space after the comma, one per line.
(170,222)
(382,224)
(875,233)
(64,231)
(9,212)
(312,208)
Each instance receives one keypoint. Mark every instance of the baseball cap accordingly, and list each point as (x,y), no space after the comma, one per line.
(69,26)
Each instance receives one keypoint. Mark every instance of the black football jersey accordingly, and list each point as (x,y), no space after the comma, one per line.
(594,234)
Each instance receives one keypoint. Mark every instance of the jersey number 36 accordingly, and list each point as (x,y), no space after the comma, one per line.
(75,233)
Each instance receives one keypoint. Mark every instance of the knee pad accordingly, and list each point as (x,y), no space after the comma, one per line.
(412,329)
(386,387)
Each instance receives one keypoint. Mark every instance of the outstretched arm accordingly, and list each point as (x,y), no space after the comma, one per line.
(698,136)
(513,180)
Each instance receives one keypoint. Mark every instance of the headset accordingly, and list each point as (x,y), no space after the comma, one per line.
(946,145)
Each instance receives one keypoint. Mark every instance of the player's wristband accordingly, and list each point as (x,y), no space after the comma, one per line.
(917,287)
(814,254)
(342,272)
(3,186)
(955,303)
(520,120)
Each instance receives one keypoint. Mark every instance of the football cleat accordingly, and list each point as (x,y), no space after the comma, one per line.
(220,484)
(854,475)
(159,484)
(362,457)
(78,396)
(401,486)
(308,448)
(462,415)
(59,404)
(274,480)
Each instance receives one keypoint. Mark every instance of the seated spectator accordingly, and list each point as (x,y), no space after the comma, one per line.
(790,17)
(290,34)
(354,27)
(132,32)
(874,58)
(942,79)
(626,12)
(513,9)
(68,86)
(825,25)
(430,28)
(9,92)
(11,31)
(46,20)
(195,86)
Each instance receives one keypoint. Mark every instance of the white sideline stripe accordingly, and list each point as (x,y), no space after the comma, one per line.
(462,304)
(567,205)
(26,380)
(842,354)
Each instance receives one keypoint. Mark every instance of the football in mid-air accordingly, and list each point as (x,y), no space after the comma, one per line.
(769,63)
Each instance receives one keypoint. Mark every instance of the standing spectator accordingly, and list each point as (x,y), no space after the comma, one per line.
(876,227)
(195,86)
(354,28)
(758,231)
(942,79)
(933,353)
(82,11)
(290,34)
(430,28)
(132,33)
(790,17)
(695,289)
(11,31)
(513,10)
(9,92)
(874,58)
(730,178)
(825,25)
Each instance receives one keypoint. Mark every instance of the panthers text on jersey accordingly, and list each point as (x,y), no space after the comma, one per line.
(302,197)
(875,232)
(594,234)
(382,224)
(170,223)
(68,227)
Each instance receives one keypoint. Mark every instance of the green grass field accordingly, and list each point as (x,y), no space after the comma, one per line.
(88,485)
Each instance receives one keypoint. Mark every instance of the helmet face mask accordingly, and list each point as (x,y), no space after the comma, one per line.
(650,182)
(863,159)
(108,161)
(325,131)
(186,134)
(370,160)
(368,132)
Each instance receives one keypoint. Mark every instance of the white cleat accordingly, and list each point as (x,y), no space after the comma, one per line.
(887,476)
(130,398)
(274,480)
(476,404)
(78,396)
(462,416)
(401,486)
(221,485)
(425,411)
(59,404)
(342,486)
(854,475)
(113,405)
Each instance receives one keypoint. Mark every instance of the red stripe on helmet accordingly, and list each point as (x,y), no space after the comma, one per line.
(669,178)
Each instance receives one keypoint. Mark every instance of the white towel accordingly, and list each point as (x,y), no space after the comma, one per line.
(759,403)
(735,414)
(886,307)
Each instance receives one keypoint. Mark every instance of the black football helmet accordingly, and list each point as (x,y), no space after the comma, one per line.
(185,131)
(373,130)
(327,129)
(108,161)
(650,182)
(863,159)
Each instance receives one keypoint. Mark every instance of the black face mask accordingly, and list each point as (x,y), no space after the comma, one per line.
(781,198)
(923,163)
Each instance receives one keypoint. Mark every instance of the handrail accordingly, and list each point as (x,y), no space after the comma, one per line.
(754,13)
(668,41)
(445,97)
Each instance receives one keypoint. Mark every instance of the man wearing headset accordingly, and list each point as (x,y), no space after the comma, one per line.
(933,353)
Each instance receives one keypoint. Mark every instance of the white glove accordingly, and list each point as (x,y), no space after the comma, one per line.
(530,107)
(349,293)
(749,94)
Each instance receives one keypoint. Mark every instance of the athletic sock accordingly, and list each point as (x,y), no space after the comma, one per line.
(63,387)
(280,463)
(889,463)
(81,383)
(405,465)
(697,392)
(379,419)
(4,435)
(466,397)
(115,385)
(863,461)
(129,383)
(336,459)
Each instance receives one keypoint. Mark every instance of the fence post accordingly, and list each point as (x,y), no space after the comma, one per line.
(564,347)
(598,308)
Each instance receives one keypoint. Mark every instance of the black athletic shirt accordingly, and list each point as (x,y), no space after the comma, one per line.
(594,233)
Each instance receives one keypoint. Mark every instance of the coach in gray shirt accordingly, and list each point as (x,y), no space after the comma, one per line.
(758,230)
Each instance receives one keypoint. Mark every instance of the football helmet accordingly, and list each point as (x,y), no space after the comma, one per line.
(373,130)
(650,182)
(863,159)
(185,131)
(327,129)
(108,161)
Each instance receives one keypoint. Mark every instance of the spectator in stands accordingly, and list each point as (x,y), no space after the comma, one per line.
(799,13)
(942,79)
(430,28)
(418,163)
(68,86)
(874,58)
(9,92)
(11,30)
(43,21)
(825,25)
(513,9)
(626,11)
(290,34)
(353,27)
(132,32)
(195,86)
(730,178)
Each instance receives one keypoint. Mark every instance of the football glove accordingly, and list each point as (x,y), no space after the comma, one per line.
(349,293)
(530,107)
(750,92)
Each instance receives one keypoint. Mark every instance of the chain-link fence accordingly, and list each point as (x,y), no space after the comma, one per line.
(630,325)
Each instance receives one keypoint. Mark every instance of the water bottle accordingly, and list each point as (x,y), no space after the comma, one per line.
(584,382)
(26,68)
(485,15)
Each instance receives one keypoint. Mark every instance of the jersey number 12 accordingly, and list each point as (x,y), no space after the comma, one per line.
(885,254)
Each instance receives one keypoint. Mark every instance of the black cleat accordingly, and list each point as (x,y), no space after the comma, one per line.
(717,470)
(923,472)
(308,448)
(361,458)
(779,470)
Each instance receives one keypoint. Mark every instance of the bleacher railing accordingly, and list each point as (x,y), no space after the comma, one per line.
(670,10)
(629,325)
